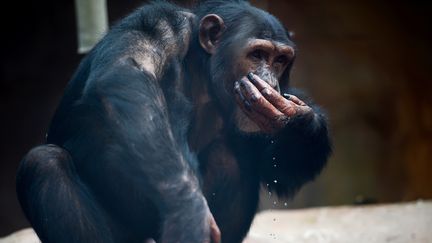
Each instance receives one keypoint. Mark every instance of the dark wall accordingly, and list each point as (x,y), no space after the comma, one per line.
(367,62)
(38,57)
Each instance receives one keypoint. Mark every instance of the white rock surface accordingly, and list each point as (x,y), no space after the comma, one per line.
(394,223)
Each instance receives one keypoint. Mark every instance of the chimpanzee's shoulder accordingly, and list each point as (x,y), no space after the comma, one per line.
(150,16)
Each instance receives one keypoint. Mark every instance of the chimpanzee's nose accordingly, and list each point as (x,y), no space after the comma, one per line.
(272,81)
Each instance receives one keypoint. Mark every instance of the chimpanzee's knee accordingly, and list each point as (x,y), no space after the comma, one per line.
(42,165)
(43,160)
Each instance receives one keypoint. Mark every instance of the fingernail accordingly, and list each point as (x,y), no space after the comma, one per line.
(287,96)
(251,77)
(248,105)
(237,87)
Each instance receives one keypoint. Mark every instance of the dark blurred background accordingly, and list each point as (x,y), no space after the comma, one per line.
(366,62)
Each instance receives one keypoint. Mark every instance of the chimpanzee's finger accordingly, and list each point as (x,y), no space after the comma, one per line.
(264,86)
(284,105)
(287,107)
(241,100)
(258,82)
(215,234)
(303,110)
(258,101)
(274,120)
(294,99)
(262,122)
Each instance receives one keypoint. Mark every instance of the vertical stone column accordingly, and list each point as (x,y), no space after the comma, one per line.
(92,22)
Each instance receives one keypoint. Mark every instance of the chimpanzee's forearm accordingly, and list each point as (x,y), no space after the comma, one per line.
(296,154)
(123,128)
(291,157)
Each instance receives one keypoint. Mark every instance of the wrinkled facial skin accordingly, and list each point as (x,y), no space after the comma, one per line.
(236,53)
(266,59)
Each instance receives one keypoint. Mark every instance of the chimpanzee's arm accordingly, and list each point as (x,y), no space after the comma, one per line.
(120,130)
(117,125)
(297,153)
(295,144)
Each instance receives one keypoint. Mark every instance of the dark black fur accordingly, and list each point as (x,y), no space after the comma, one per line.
(118,167)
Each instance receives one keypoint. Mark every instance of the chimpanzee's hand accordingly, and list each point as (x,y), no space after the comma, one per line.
(265,106)
(215,234)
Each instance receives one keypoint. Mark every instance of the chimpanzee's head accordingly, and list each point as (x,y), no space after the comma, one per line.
(239,39)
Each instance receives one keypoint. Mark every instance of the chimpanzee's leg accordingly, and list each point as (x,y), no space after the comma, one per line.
(60,208)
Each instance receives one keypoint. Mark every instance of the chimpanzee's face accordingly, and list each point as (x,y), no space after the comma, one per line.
(262,48)
(267,59)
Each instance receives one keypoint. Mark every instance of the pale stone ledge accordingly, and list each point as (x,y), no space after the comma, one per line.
(395,223)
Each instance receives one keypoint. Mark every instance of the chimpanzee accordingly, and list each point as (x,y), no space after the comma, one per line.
(169,127)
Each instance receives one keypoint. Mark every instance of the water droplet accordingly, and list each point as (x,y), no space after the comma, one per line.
(285,204)
(270,193)
(274,202)
(274,158)
(214,194)
(274,165)
(267,184)
(275,181)
(271,141)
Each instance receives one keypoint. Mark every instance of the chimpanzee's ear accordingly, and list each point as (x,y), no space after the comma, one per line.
(210,32)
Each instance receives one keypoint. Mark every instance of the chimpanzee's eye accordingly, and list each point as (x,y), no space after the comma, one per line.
(281,60)
(257,54)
